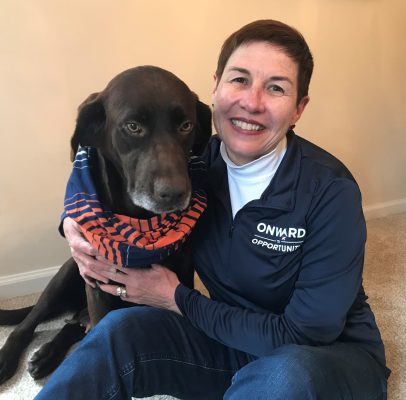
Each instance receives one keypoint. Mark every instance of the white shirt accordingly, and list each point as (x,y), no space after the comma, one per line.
(247,182)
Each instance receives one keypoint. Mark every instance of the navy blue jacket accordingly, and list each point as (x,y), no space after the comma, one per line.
(288,268)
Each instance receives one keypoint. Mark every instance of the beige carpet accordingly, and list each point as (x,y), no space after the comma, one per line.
(385,283)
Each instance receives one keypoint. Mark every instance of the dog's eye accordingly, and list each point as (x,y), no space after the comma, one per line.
(133,128)
(186,127)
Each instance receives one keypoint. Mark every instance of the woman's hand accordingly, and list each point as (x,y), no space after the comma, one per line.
(153,286)
(83,253)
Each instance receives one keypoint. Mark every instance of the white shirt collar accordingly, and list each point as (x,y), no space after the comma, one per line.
(256,170)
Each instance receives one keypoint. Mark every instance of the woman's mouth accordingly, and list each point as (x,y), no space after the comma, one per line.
(247,126)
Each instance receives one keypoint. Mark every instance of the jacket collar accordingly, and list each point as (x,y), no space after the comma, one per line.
(281,192)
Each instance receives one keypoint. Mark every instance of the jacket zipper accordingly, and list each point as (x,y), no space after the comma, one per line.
(230,234)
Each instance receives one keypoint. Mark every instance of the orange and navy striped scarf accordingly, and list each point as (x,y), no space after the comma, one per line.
(129,242)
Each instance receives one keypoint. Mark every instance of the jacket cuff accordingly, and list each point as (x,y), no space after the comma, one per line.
(60,227)
(182,294)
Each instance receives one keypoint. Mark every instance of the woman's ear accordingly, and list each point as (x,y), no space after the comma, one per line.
(300,108)
(215,84)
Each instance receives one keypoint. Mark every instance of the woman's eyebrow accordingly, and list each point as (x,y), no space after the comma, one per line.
(281,78)
(239,69)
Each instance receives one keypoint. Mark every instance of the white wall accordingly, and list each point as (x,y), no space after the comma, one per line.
(55,52)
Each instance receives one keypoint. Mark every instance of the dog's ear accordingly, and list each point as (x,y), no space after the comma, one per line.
(203,128)
(89,123)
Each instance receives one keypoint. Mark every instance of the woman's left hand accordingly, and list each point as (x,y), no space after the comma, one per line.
(153,286)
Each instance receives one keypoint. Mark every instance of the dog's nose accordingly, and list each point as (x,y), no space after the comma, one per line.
(170,194)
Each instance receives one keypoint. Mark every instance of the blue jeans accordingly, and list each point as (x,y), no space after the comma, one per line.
(141,351)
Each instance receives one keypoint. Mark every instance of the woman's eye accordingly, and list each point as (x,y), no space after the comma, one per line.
(186,127)
(134,128)
(276,90)
(240,79)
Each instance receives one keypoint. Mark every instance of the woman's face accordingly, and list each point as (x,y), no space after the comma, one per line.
(255,100)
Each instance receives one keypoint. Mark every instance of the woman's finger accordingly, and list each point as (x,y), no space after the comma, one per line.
(123,270)
(117,276)
(75,237)
(112,289)
(89,267)
(82,245)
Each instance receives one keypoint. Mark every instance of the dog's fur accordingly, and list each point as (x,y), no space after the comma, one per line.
(144,125)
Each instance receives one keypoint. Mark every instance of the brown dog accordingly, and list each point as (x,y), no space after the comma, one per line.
(144,125)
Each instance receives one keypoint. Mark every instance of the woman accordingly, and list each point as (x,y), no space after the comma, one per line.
(280,249)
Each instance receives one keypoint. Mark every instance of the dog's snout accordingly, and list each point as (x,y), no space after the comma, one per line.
(170,193)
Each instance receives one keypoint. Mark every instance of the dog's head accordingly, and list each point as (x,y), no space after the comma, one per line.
(146,122)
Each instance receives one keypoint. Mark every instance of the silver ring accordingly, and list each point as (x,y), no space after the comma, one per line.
(121,291)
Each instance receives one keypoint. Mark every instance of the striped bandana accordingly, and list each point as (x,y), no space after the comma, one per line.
(122,240)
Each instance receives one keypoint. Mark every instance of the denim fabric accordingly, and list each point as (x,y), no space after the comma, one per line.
(336,372)
(141,351)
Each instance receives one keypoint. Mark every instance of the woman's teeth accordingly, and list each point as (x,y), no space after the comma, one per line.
(246,126)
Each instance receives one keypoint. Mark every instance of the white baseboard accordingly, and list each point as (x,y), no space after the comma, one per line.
(26,283)
(385,209)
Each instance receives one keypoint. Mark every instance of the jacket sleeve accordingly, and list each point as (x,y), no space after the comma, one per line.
(60,227)
(327,285)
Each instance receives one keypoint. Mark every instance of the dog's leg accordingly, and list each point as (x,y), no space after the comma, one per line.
(64,291)
(99,304)
(51,354)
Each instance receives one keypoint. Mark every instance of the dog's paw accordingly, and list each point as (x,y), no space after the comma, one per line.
(44,361)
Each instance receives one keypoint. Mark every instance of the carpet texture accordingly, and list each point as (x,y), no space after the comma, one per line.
(385,284)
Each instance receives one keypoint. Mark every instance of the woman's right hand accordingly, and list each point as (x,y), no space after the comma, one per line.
(83,253)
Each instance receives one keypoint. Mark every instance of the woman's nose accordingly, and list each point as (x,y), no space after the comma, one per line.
(252,100)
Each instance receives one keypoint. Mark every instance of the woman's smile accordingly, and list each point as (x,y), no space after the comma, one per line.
(247,126)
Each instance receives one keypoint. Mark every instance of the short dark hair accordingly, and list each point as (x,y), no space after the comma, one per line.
(276,33)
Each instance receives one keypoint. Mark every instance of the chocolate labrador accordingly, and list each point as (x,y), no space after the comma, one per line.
(144,126)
